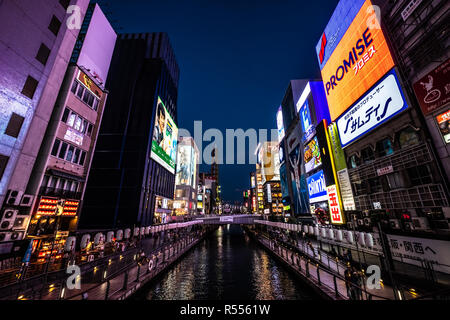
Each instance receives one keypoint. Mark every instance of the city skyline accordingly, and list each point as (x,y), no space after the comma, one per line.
(235,58)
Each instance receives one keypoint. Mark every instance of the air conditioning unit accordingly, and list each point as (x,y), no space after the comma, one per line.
(360,222)
(11,236)
(420,223)
(409,226)
(27,200)
(367,222)
(14,197)
(21,222)
(394,223)
(8,219)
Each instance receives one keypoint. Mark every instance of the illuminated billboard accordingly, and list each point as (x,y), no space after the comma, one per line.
(317,188)
(381,103)
(353,54)
(312,155)
(305,119)
(280,124)
(165,138)
(186,165)
(97,46)
(443,121)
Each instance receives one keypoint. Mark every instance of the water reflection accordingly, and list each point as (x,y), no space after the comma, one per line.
(227,265)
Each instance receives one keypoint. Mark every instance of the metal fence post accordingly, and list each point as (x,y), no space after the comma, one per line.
(318,274)
(125,281)
(307,268)
(335,286)
(107,290)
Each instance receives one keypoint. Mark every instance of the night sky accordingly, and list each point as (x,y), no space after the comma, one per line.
(236,58)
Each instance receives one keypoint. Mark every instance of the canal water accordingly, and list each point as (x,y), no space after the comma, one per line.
(227,265)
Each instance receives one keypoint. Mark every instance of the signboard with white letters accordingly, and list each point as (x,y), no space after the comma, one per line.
(317,188)
(381,103)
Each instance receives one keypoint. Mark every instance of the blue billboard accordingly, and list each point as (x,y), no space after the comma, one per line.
(317,188)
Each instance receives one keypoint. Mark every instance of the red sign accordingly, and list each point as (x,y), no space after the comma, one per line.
(433,90)
(335,208)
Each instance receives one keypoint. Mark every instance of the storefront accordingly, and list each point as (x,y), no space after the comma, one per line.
(163,210)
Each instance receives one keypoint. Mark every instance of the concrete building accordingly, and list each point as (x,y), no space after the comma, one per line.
(35,48)
(187,178)
(62,167)
(132,175)
(418,34)
(395,174)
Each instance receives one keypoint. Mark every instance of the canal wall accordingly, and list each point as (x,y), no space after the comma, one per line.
(306,271)
(142,279)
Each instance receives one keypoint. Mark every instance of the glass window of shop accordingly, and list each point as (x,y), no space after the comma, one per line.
(408,137)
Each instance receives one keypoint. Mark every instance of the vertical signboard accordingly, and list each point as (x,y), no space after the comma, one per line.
(343,177)
(335,208)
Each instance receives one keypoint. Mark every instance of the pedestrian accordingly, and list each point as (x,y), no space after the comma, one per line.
(356,280)
(348,281)
(349,256)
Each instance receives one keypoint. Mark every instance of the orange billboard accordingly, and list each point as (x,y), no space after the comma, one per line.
(358,60)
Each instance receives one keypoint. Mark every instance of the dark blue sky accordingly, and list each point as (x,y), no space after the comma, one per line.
(236,58)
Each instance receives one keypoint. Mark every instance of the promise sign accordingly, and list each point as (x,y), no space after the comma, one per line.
(353,54)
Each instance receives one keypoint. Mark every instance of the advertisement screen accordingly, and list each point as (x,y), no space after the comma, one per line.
(353,54)
(317,188)
(185,165)
(433,90)
(98,46)
(381,103)
(305,117)
(165,138)
(280,124)
(312,155)
(443,121)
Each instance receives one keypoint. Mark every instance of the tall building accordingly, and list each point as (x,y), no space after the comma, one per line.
(419,38)
(35,48)
(393,170)
(133,169)
(187,176)
(59,175)
(269,163)
(291,154)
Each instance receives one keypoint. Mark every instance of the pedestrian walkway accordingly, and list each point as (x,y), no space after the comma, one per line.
(330,270)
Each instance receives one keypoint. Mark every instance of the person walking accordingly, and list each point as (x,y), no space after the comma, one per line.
(356,280)
(348,281)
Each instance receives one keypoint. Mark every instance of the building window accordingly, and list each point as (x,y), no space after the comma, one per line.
(55,25)
(384,148)
(14,125)
(56,147)
(80,92)
(43,54)
(408,137)
(395,181)
(76,122)
(62,151)
(82,158)
(68,152)
(3,163)
(74,87)
(367,155)
(64,3)
(354,161)
(85,95)
(65,116)
(420,175)
(30,87)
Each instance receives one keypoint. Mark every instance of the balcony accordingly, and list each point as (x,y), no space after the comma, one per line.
(425,196)
(400,160)
(60,193)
